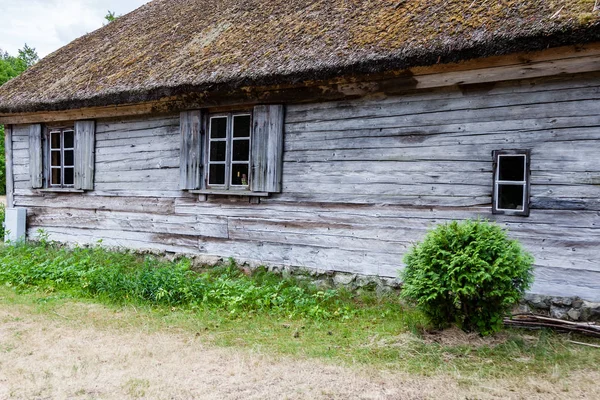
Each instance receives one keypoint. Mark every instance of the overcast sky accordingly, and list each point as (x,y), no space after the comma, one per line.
(47,25)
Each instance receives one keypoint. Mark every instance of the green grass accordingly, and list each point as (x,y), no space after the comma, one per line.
(264,313)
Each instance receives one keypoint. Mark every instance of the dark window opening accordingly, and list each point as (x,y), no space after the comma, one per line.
(511,182)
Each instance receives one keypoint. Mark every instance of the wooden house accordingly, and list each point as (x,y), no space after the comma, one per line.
(322,134)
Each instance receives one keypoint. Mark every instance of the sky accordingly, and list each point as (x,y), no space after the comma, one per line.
(47,25)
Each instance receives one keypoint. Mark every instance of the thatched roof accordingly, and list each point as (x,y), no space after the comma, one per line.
(170,47)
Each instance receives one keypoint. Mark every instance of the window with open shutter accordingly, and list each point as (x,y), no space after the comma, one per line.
(62,157)
(232,153)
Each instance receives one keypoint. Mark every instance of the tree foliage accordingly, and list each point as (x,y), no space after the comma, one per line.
(11,67)
(111,16)
(469,273)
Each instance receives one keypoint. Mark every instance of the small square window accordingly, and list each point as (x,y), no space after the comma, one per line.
(511,182)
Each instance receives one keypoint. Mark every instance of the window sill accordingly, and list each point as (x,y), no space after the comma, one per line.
(59,190)
(230,193)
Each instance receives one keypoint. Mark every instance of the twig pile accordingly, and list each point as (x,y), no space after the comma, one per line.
(534,321)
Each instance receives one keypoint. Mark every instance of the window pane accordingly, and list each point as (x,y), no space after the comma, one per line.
(241,126)
(55,140)
(69,138)
(69,158)
(69,176)
(239,174)
(55,162)
(55,176)
(216,174)
(241,150)
(510,197)
(218,128)
(218,151)
(511,168)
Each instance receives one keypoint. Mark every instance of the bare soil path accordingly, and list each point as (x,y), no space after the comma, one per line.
(55,356)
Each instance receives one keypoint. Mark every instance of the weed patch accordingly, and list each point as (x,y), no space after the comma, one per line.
(124,277)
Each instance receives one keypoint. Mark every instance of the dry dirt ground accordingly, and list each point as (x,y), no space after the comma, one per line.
(53,356)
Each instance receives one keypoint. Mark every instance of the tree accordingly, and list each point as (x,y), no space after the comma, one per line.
(111,16)
(28,55)
(11,67)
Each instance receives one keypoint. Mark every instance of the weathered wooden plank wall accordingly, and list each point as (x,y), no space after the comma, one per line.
(362,180)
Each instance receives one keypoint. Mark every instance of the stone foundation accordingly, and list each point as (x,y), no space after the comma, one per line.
(567,308)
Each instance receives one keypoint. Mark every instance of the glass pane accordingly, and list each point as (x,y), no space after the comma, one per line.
(218,151)
(69,158)
(241,150)
(55,162)
(511,168)
(69,138)
(239,174)
(510,197)
(241,126)
(55,140)
(218,127)
(216,174)
(69,176)
(55,176)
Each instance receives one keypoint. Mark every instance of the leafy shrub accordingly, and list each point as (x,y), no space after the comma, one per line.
(467,272)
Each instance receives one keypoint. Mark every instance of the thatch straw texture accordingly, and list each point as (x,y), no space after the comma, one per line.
(170,47)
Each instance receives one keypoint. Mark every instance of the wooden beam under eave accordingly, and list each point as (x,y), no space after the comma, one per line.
(518,66)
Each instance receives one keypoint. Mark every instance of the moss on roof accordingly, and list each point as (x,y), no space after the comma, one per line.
(170,47)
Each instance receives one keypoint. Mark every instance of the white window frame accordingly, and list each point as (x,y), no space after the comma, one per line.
(229,162)
(498,155)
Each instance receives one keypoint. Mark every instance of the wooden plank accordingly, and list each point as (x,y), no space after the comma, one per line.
(85,154)
(125,157)
(127,221)
(410,105)
(35,156)
(566,283)
(8,142)
(145,138)
(94,202)
(267,148)
(191,155)
(323,259)
(120,239)
(581,108)
(130,127)
(147,175)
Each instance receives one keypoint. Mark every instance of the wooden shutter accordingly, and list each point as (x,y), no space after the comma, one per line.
(267,149)
(190,161)
(84,154)
(35,156)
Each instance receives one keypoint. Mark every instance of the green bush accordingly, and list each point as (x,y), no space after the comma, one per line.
(467,272)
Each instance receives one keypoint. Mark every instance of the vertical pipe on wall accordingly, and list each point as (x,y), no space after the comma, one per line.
(9,166)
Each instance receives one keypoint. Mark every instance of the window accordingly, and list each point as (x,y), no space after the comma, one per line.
(62,158)
(511,182)
(61,151)
(232,153)
(229,151)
